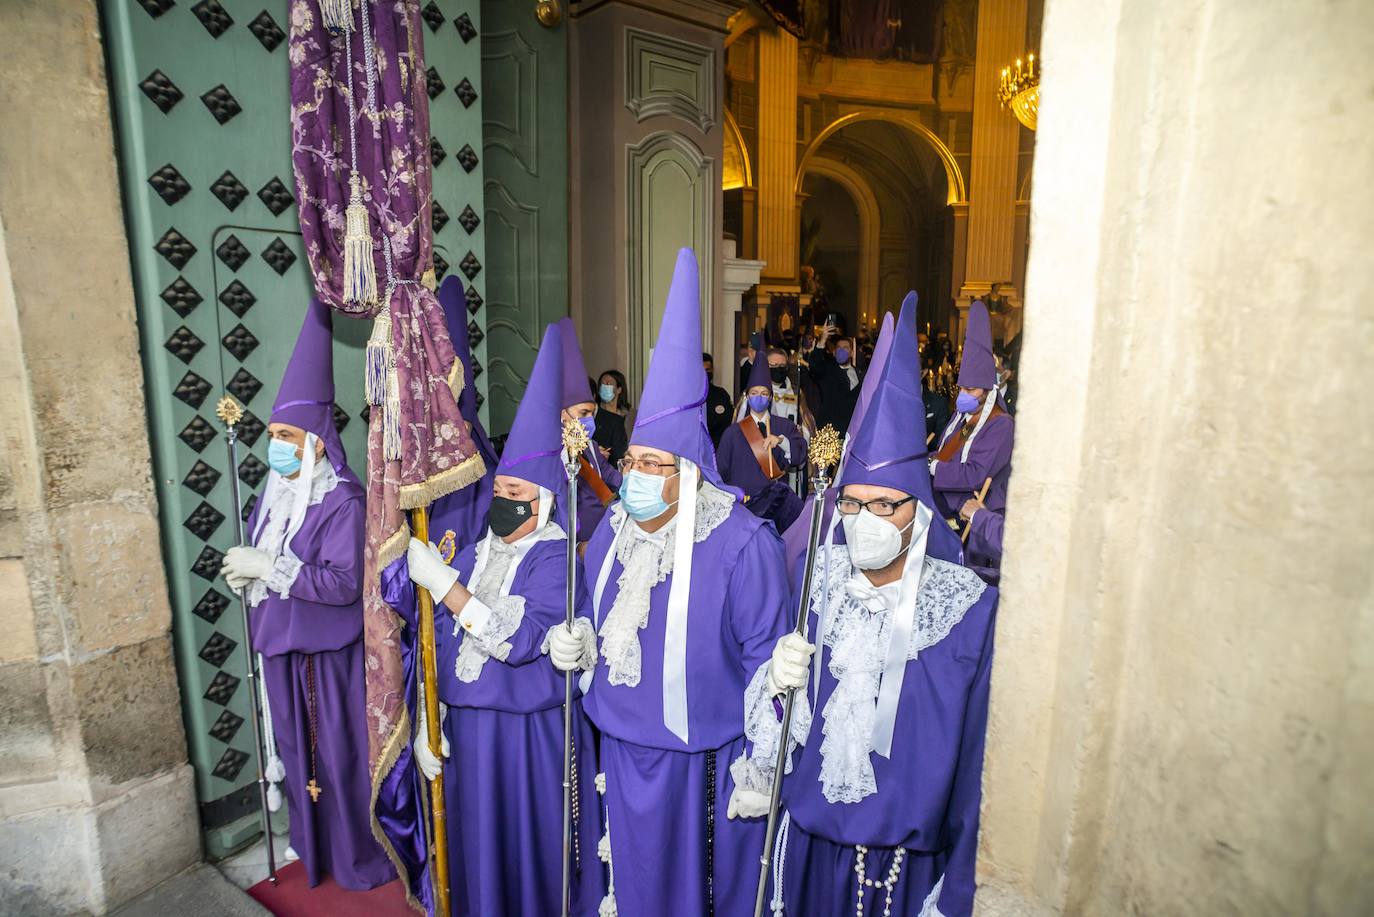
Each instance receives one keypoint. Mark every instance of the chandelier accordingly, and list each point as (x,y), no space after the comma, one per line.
(1020,90)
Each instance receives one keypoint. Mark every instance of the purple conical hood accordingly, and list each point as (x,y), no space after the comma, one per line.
(890,447)
(976,367)
(306,396)
(576,389)
(455,314)
(672,416)
(873,375)
(534,447)
(758,372)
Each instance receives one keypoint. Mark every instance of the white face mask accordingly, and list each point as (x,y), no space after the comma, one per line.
(873,541)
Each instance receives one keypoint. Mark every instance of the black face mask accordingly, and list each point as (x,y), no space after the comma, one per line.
(778,374)
(507,515)
(710,375)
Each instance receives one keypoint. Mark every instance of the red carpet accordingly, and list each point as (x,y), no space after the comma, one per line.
(292,896)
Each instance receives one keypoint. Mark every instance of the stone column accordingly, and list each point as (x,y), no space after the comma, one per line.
(739,276)
(777,152)
(97,802)
(992,167)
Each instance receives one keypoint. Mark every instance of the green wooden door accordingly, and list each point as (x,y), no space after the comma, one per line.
(201,102)
(525,144)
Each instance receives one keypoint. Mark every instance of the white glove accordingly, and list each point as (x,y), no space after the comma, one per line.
(243,564)
(429,765)
(747,804)
(569,649)
(790,664)
(428,569)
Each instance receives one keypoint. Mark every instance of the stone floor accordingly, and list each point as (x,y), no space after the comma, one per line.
(202,891)
(248,867)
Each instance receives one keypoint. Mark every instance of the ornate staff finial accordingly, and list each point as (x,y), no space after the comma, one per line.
(824,451)
(575,439)
(229,411)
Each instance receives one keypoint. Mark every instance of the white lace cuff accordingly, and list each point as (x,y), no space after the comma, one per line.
(284,572)
(504,619)
(583,631)
(763,726)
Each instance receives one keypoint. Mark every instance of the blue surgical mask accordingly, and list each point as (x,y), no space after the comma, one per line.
(842,355)
(965,403)
(281,456)
(607,393)
(588,424)
(642,496)
(759,403)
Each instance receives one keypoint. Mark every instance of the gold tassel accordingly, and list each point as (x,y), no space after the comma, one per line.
(360,274)
(337,15)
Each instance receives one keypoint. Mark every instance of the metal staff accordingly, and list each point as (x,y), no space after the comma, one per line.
(824,453)
(230,412)
(574,444)
(429,674)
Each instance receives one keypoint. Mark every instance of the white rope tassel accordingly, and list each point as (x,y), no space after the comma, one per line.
(608,906)
(391,414)
(378,359)
(337,15)
(275,771)
(360,274)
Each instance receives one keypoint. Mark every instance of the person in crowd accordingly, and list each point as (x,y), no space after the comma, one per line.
(302,576)
(1006,379)
(686,640)
(881,810)
(974,454)
(837,378)
(756,454)
(501,706)
(717,401)
(598,478)
(612,406)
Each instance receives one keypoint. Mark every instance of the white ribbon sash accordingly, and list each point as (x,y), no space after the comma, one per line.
(899,635)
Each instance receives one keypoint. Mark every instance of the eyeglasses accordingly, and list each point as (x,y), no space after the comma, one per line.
(848,506)
(648,466)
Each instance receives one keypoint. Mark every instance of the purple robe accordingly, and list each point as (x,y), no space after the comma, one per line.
(940,724)
(504,781)
(738,467)
(589,506)
(955,481)
(673,851)
(316,634)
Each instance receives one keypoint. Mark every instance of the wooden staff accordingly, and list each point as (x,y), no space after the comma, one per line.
(824,454)
(968,526)
(230,412)
(429,674)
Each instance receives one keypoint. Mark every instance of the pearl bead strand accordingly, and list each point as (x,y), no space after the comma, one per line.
(887,885)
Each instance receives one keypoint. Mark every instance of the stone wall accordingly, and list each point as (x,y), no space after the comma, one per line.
(1184,689)
(96,798)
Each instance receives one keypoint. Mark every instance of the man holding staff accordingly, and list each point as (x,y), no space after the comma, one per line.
(689,602)
(502,706)
(302,576)
(973,458)
(882,807)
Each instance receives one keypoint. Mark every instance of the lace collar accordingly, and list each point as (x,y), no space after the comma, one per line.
(647,559)
(855,625)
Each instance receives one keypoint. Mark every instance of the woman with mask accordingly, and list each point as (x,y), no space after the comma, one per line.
(686,631)
(501,705)
(612,406)
(302,576)
(756,454)
(975,446)
(881,811)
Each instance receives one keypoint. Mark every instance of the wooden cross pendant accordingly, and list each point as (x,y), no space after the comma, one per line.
(314,789)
